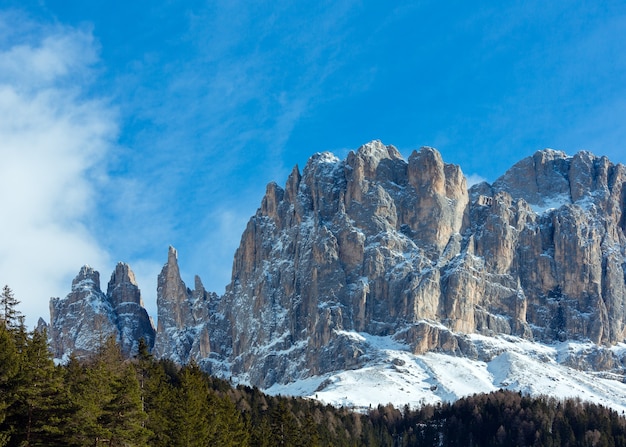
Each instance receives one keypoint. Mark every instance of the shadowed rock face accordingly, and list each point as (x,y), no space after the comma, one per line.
(184,317)
(86,317)
(568,244)
(133,322)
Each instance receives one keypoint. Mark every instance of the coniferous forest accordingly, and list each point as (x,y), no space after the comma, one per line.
(107,400)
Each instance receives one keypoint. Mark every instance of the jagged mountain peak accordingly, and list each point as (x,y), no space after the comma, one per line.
(550,177)
(374,250)
(381,245)
(172,256)
(170,286)
(86,317)
(183,315)
(122,287)
(122,274)
(375,151)
(87,277)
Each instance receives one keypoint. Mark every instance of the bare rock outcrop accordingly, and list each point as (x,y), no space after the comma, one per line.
(133,322)
(567,243)
(83,319)
(354,245)
(86,317)
(381,245)
(184,316)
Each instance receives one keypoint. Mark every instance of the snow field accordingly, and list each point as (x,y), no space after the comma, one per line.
(396,376)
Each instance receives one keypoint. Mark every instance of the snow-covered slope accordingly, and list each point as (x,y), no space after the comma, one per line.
(401,378)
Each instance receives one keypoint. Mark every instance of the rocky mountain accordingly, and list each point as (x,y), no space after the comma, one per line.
(185,317)
(378,247)
(81,321)
(385,246)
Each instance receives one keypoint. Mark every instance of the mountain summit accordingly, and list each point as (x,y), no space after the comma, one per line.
(86,317)
(379,245)
(375,248)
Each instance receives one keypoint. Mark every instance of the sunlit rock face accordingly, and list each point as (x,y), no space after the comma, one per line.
(378,244)
(395,248)
(82,321)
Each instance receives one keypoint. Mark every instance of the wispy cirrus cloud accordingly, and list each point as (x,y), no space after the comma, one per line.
(208,116)
(53,140)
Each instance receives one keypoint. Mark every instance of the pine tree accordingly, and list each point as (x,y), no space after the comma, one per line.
(8,371)
(123,415)
(156,396)
(284,425)
(143,364)
(80,429)
(191,425)
(261,435)
(159,400)
(9,315)
(310,437)
(41,407)
(230,428)
(91,390)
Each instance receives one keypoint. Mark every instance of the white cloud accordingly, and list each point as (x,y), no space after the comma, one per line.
(52,144)
(474,179)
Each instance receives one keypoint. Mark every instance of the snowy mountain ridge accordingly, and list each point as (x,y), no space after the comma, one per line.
(380,266)
(401,378)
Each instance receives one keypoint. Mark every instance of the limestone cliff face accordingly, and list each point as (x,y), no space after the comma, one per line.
(133,321)
(183,316)
(391,247)
(381,245)
(83,319)
(347,246)
(567,244)
(86,317)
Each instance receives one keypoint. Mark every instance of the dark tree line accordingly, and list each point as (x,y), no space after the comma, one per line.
(502,418)
(107,400)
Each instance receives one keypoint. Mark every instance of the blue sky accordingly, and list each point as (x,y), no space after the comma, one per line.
(126,127)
